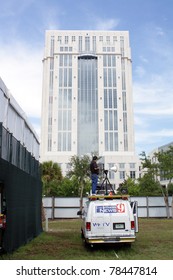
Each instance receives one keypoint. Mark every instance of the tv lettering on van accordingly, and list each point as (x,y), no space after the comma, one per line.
(118,208)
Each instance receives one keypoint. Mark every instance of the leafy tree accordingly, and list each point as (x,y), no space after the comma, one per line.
(148,186)
(131,186)
(165,164)
(80,170)
(170,189)
(51,178)
(70,187)
(161,168)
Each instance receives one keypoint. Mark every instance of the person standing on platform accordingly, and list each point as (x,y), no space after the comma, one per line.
(94,173)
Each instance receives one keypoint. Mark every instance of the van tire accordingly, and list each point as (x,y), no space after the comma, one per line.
(82,235)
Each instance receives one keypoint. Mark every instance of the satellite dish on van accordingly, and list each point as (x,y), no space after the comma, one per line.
(114,168)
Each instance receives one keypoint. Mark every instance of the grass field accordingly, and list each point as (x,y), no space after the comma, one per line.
(63,242)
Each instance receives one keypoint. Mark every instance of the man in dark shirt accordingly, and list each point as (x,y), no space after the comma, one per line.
(94,173)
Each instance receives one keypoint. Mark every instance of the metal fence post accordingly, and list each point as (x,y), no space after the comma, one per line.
(148,215)
(53,207)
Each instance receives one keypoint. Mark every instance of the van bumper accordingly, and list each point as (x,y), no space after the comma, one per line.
(110,240)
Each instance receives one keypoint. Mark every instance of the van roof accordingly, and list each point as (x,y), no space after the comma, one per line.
(108,197)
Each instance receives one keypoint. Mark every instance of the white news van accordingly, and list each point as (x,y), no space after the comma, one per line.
(109,219)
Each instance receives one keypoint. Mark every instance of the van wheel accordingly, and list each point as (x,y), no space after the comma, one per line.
(82,235)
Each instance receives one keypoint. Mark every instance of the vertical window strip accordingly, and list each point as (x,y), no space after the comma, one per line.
(125,142)
(94,43)
(52,43)
(80,43)
(87,43)
(64,103)
(125,121)
(87,103)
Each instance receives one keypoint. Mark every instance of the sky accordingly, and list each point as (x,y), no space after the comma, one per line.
(150,24)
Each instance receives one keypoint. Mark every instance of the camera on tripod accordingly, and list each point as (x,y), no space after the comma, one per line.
(105,172)
(105,188)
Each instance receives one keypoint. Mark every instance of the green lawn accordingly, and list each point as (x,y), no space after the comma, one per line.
(63,242)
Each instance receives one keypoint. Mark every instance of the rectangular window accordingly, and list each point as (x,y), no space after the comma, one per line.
(104,60)
(114,77)
(65,77)
(105,99)
(122,45)
(115,141)
(60,77)
(66,39)
(61,60)
(123,81)
(109,77)
(122,175)
(110,120)
(124,101)
(87,43)
(132,165)
(110,98)
(94,43)
(125,142)
(80,43)
(106,142)
(106,119)
(108,39)
(52,46)
(49,142)
(115,120)
(121,165)
(125,121)
(132,174)
(69,77)
(105,77)
(115,99)
(113,60)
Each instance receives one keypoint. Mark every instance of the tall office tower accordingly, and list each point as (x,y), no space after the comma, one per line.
(87,101)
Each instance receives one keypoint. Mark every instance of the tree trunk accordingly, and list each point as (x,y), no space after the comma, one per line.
(43,213)
(167,206)
(81,199)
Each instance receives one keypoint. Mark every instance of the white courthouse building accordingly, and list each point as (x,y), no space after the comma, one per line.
(87,103)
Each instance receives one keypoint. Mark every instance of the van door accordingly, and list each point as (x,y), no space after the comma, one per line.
(134,206)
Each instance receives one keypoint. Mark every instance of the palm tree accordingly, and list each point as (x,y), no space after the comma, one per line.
(51,177)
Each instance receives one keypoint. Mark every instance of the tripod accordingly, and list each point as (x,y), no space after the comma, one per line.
(105,184)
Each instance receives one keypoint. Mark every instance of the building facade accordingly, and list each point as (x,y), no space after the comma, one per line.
(87,103)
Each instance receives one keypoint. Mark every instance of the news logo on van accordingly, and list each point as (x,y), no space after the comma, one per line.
(118,208)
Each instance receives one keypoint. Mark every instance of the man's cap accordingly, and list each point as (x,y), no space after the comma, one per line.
(94,157)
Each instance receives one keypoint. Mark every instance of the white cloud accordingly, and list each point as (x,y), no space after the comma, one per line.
(106,24)
(14,7)
(153,110)
(147,140)
(140,71)
(21,71)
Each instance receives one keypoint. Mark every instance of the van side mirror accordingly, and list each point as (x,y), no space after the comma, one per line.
(79,213)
